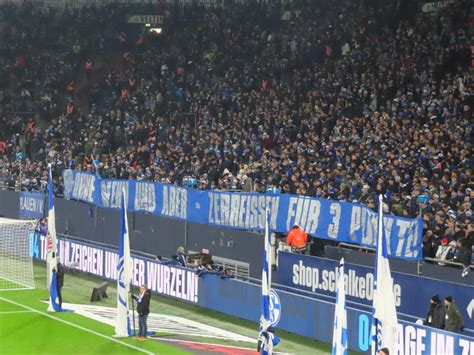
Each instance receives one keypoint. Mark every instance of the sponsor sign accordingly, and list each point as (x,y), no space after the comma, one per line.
(31,205)
(318,276)
(168,280)
(332,220)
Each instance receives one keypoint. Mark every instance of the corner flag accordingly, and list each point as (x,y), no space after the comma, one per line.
(266,337)
(51,246)
(339,337)
(122,327)
(385,323)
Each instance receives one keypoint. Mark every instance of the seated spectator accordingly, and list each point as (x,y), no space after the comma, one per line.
(297,237)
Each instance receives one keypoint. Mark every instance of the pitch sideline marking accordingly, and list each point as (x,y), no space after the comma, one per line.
(75,325)
(203,343)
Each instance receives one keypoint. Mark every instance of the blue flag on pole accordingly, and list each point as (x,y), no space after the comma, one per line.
(385,323)
(339,338)
(53,294)
(122,327)
(267,339)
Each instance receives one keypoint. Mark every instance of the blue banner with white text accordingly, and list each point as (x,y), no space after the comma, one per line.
(325,219)
(31,205)
(318,276)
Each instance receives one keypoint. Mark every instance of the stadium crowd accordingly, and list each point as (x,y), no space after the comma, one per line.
(338,100)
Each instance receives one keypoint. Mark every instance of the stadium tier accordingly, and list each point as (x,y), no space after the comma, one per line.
(337,129)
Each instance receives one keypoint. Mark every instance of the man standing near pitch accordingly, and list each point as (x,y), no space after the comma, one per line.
(143,309)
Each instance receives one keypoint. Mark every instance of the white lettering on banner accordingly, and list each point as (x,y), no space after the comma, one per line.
(138,272)
(31,204)
(89,259)
(371,221)
(410,340)
(361,287)
(145,197)
(174,202)
(333,228)
(242,211)
(442,344)
(111,265)
(304,212)
(356,222)
(466,346)
(153,19)
(171,281)
(83,187)
(43,247)
(111,192)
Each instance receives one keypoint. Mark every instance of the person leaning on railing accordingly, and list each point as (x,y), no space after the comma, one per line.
(297,239)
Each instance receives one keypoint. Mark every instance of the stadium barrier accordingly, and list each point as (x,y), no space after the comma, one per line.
(298,314)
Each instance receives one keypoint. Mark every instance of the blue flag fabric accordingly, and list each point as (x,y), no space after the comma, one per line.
(54,305)
(53,294)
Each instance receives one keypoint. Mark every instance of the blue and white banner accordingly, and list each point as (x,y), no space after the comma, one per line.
(325,219)
(167,280)
(318,277)
(31,205)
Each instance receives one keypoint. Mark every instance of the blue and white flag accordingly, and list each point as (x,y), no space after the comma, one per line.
(266,337)
(122,327)
(51,240)
(385,323)
(339,337)
(53,294)
(96,168)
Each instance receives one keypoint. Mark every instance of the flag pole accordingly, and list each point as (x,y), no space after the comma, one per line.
(133,307)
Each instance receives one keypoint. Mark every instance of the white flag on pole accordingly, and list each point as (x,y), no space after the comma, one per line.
(339,337)
(385,323)
(51,239)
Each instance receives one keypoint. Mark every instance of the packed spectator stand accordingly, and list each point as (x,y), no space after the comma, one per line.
(338,100)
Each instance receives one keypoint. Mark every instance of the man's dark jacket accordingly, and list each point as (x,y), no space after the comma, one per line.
(435,317)
(143,306)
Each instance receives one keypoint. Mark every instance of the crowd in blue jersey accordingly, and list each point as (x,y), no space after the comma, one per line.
(338,100)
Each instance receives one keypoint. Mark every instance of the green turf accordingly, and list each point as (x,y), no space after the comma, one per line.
(77,289)
(23,331)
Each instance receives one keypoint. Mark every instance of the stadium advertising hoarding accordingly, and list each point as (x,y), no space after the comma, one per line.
(298,314)
(332,220)
(318,276)
(168,280)
(314,318)
(31,205)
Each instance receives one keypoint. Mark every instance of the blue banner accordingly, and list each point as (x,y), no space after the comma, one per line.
(301,315)
(325,219)
(31,205)
(318,276)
